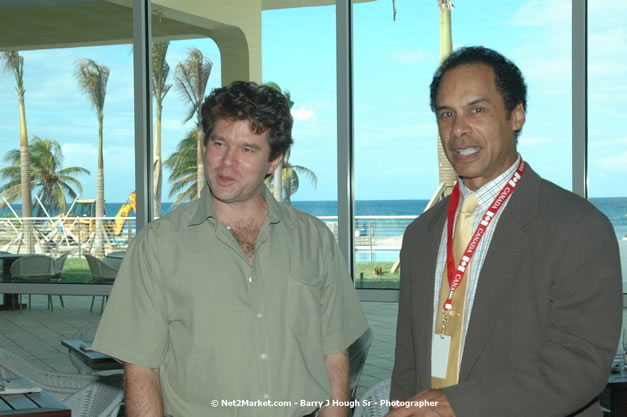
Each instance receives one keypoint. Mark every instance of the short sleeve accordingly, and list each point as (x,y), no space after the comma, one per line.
(133,327)
(343,319)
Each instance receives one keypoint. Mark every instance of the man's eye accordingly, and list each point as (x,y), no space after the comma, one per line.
(446,114)
(249,150)
(477,109)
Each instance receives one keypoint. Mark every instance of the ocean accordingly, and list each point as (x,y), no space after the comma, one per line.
(615,208)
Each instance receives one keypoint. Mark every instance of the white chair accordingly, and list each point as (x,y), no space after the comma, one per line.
(101,272)
(114,259)
(59,263)
(34,268)
(372,403)
(357,354)
(86,334)
(85,395)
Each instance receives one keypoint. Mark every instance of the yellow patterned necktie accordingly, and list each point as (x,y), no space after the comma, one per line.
(455,321)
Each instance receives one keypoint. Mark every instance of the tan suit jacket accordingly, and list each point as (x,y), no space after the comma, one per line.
(547,312)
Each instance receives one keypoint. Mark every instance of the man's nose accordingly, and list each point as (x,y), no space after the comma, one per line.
(229,157)
(460,126)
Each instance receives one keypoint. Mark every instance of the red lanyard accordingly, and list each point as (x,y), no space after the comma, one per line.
(456,275)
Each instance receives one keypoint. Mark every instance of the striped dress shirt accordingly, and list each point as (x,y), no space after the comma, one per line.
(485,196)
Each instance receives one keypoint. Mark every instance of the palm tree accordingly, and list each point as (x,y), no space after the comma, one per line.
(191,81)
(183,170)
(446,171)
(92,80)
(15,63)
(55,183)
(160,72)
(290,180)
(279,172)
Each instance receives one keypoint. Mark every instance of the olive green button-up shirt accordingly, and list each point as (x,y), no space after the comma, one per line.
(233,338)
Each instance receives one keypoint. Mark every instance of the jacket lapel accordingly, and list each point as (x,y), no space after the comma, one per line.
(425,262)
(500,268)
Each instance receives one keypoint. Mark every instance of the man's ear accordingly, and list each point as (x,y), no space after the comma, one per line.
(518,117)
(274,163)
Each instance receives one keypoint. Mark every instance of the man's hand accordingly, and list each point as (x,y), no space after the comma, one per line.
(429,403)
(142,387)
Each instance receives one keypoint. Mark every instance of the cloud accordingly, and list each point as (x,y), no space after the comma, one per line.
(536,13)
(611,142)
(534,140)
(412,57)
(78,151)
(304,113)
(612,164)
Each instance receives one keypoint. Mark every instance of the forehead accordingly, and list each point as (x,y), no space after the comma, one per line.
(467,82)
(238,130)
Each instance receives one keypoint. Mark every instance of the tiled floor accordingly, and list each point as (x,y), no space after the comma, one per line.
(36,334)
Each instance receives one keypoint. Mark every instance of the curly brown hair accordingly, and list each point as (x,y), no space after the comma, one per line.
(267,110)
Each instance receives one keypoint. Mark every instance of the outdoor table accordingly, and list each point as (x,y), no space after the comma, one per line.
(617,386)
(40,404)
(95,360)
(10,301)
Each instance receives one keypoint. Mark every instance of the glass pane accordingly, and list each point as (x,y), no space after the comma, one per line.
(396,134)
(175,126)
(78,104)
(607,100)
(303,64)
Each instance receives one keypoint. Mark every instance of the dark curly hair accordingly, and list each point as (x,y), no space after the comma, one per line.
(267,110)
(507,76)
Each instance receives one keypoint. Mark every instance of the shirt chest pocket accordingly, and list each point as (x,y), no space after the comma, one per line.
(303,304)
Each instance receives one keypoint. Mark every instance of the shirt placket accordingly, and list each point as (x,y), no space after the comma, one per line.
(256,293)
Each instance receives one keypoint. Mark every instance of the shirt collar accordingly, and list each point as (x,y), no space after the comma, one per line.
(488,192)
(206,210)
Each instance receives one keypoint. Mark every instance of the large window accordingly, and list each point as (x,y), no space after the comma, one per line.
(299,56)
(395,131)
(74,72)
(607,100)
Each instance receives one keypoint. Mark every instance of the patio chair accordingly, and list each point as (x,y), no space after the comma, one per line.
(59,263)
(101,272)
(34,268)
(85,395)
(357,354)
(87,334)
(114,259)
(371,404)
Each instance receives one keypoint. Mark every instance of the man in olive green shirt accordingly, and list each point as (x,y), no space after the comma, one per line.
(234,304)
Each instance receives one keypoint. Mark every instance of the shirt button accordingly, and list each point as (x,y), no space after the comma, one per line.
(264,356)
(259,315)
(250,279)
(266,396)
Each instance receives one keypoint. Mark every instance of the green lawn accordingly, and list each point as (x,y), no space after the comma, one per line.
(372,280)
(77,270)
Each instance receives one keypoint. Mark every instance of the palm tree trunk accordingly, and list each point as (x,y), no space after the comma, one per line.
(157,165)
(278,182)
(27,202)
(99,240)
(200,159)
(448,176)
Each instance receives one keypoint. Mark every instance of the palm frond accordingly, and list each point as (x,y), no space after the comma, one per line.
(92,80)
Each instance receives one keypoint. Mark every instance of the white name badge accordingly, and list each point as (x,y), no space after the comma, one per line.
(440,347)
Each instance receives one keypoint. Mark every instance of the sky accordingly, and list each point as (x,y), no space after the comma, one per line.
(395,131)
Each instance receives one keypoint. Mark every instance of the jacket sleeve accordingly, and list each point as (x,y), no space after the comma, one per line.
(404,373)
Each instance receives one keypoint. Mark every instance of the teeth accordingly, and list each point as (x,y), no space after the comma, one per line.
(467,151)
